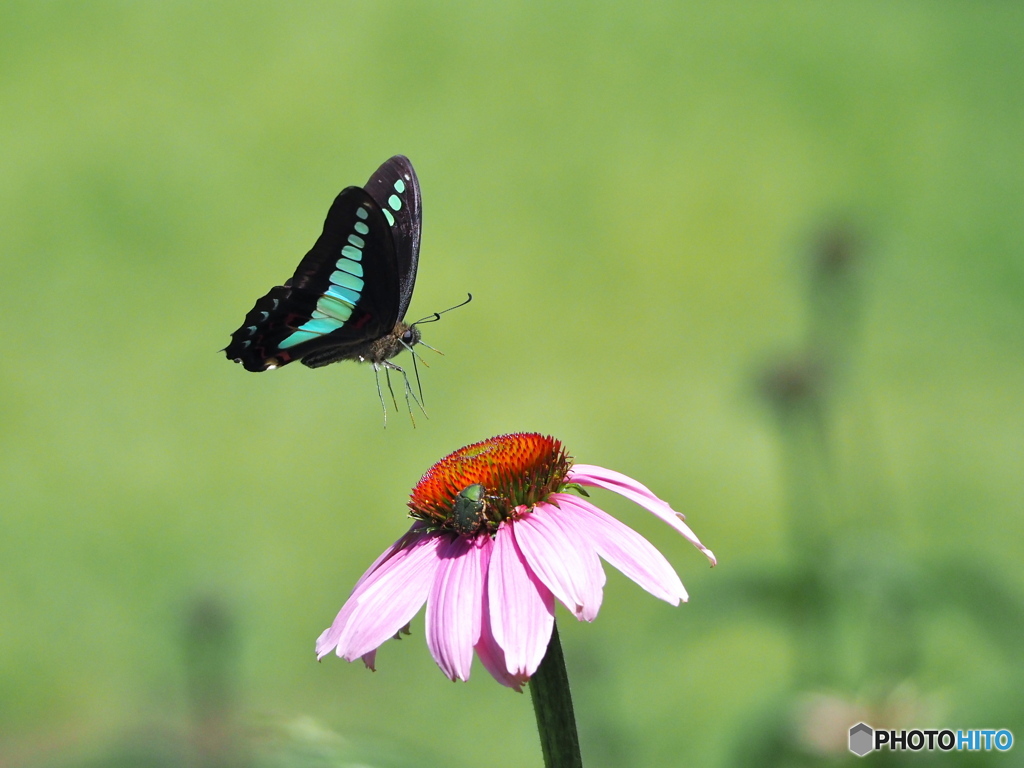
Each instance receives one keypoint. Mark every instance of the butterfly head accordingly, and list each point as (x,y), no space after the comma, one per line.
(410,336)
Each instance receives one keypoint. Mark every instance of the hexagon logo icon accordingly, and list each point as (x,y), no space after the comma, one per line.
(861,739)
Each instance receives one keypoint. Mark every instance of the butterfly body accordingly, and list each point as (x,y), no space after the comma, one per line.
(348,297)
(378,351)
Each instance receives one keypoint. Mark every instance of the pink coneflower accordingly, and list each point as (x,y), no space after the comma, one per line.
(496,539)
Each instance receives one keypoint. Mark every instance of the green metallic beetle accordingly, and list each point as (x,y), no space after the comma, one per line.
(469,511)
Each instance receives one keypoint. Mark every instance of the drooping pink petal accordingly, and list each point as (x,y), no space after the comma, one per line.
(612,477)
(386,600)
(490,653)
(403,541)
(329,637)
(453,605)
(588,474)
(624,548)
(567,563)
(521,608)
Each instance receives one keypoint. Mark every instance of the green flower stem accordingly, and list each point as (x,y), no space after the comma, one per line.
(552,702)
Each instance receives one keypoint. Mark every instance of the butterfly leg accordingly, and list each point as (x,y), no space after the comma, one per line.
(387,378)
(383,406)
(410,396)
(416,372)
(415,367)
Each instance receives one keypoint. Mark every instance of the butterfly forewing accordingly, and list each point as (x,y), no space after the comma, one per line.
(344,292)
(396,190)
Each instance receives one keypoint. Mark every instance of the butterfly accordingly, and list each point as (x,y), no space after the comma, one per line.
(348,297)
(349,294)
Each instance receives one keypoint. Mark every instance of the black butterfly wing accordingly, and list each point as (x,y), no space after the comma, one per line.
(397,191)
(344,293)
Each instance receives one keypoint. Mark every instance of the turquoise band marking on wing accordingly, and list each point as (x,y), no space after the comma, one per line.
(361,228)
(352,267)
(361,212)
(395,202)
(345,294)
(351,252)
(357,241)
(388,216)
(321,325)
(297,338)
(399,186)
(346,280)
(334,307)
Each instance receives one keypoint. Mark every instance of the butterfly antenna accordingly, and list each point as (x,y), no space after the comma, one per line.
(437,315)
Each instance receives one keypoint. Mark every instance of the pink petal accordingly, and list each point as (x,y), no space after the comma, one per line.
(329,637)
(521,608)
(453,606)
(566,562)
(624,548)
(579,471)
(490,653)
(405,540)
(385,600)
(588,474)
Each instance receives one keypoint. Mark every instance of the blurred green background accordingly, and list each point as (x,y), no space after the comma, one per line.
(766,258)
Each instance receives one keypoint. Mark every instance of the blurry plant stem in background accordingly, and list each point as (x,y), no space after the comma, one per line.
(552,703)
(805,469)
(802,389)
(209,653)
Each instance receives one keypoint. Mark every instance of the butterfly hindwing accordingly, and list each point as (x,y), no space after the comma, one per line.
(346,291)
(397,191)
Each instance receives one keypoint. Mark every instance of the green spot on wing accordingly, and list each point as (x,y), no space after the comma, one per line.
(346,280)
(361,212)
(357,241)
(399,186)
(352,252)
(335,308)
(361,228)
(345,294)
(388,216)
(395,202)
(352,267)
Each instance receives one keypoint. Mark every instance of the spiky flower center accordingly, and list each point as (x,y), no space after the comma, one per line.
(517,470)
